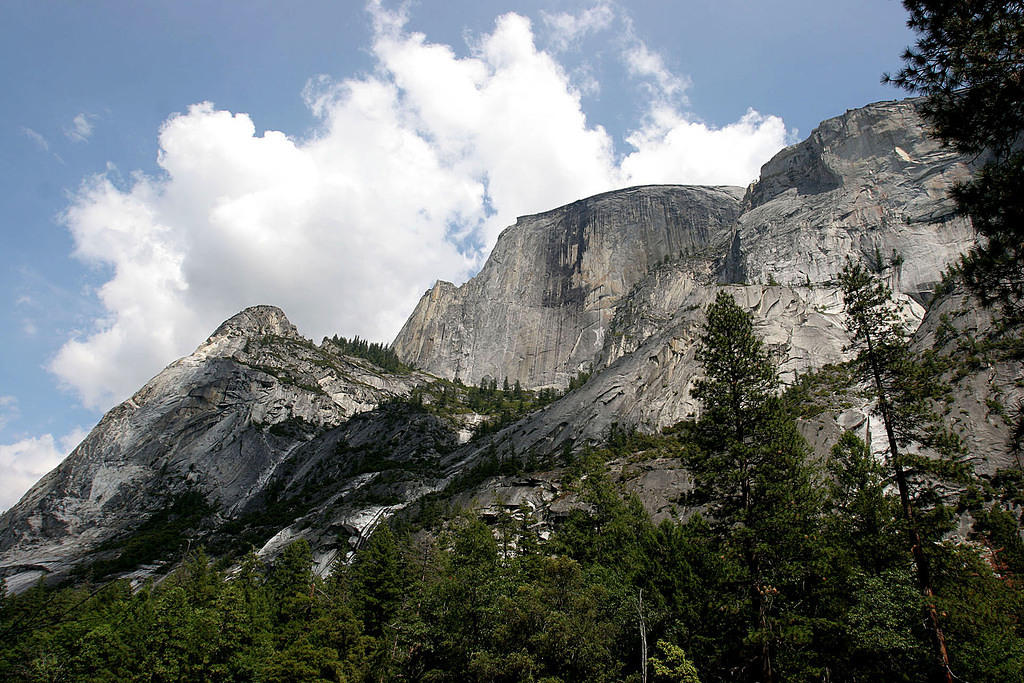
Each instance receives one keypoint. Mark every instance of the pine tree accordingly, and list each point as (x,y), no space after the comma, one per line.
(291,582)
(752,473)
(378,581)
(885,361)
(243,643)
(969,63)
(863,515)
(739,380)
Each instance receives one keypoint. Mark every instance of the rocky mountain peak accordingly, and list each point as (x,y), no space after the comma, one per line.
(257,321)
(253,323)
(875,143)
(871,185)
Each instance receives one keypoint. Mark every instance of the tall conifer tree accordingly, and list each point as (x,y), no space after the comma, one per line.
(883,356)
(752,473)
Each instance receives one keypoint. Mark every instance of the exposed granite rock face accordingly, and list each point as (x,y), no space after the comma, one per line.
(869,185)
(659,483)
(987,382)
(219,421)
(540,308)
(650,387)
(353,476)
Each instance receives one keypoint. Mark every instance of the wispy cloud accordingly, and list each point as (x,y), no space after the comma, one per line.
(644,63)
(37,138)
(8,410)
(566,29)
(81,128)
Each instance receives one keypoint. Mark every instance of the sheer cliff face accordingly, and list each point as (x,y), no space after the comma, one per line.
(540,309)
(869,185)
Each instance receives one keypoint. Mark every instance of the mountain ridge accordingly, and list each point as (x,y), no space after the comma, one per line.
(281,438)
(841,193)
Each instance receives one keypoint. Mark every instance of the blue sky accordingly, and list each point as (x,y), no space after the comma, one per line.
(164,164)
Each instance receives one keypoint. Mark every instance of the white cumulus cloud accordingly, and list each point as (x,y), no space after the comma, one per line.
(671,145)
(409,175)
(25,461)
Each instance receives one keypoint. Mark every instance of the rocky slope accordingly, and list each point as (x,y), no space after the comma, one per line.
(219,422)
(261,436)
(869,185)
